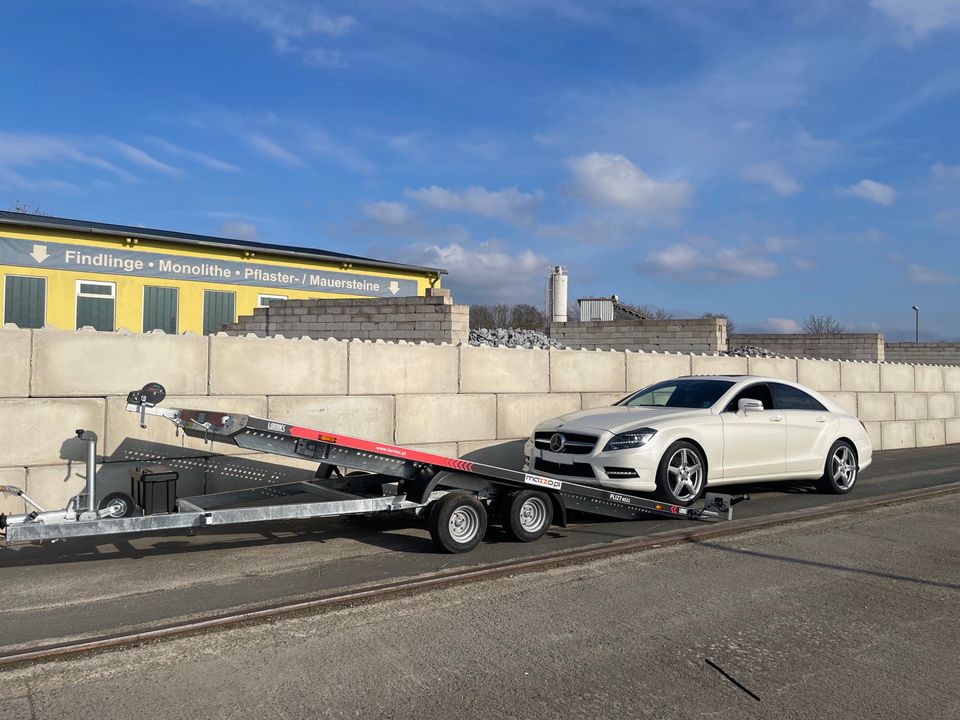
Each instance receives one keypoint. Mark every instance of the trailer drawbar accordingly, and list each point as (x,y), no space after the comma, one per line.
(455,496)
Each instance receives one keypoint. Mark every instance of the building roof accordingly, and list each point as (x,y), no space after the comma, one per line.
(45,222)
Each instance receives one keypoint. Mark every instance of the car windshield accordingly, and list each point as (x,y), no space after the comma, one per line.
(687,393)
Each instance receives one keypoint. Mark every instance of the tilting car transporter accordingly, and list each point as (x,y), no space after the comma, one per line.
(453,495)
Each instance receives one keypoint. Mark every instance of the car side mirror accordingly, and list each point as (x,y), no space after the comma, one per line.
(749,405)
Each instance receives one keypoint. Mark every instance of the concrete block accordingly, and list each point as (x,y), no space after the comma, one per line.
(780,368)
(820,375)
(898,435)
(929,378)
(124,435)
(951,430)
(589,401)
(860,377)
(930,433)
(53,485)
(846,400)
(40,431)
(504,370)
(15,362)
(941,405)
(254,366)
(876,406)
(401,368)
(718,365)
(648,368)
(502,453)
(911,406)
(951,379)
(587,371)
(896,378)
(82,363)
(873,432)
(369,418)
(445,418)
(16,476)
(517,415)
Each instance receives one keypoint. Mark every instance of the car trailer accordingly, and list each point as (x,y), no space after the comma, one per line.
(454,496)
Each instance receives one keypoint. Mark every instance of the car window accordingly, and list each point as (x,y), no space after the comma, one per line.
(759,391)
(791,398)
(684,393)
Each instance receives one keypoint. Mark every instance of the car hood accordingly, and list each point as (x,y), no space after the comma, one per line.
(618,419)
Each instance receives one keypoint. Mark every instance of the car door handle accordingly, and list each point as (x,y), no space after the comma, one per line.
(822,418)
(776,418)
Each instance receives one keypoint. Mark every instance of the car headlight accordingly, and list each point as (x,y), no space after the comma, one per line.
(628,440)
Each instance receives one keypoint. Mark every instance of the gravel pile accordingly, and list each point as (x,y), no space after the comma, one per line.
(751,351)
(511,337)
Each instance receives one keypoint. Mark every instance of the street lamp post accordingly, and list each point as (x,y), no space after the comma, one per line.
(916,312)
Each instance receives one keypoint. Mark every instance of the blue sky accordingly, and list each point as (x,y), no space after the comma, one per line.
(765,160)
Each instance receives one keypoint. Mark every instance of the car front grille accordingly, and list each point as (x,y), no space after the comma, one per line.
(580,470)
(574,443)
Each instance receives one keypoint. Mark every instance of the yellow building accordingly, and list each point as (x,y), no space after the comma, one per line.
(72,273)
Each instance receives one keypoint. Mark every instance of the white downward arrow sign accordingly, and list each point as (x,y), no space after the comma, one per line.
(39,253)
(394,287)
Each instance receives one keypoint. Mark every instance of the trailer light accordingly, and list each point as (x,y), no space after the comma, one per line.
(628,440)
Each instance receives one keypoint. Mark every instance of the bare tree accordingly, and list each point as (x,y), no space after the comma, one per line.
(822,325)
(573,312)
(731,327)
(526,317)
(26,208)
(481,316)
(501,315)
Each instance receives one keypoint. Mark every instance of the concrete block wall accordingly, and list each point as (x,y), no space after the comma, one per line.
(449,399)
(845,346)
(433,318)
(926,353)
(702,335)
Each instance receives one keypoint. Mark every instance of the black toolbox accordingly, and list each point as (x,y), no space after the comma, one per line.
(154,489)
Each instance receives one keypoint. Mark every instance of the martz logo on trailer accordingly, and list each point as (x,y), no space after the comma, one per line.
(543,482)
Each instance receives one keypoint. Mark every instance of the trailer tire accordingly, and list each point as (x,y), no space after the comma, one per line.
(458,522)
(527,515)
(121,499)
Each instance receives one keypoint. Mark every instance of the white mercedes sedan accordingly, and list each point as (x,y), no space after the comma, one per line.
(679,436)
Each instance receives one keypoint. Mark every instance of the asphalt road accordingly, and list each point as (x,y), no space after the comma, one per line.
(853,616)
(82,587)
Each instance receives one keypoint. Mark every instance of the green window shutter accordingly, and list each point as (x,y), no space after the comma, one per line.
(96,312)
(24,301)
(218,310)
(160,309)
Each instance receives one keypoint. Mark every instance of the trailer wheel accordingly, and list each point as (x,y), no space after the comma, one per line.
(458,522)
(528,515)
(124,501)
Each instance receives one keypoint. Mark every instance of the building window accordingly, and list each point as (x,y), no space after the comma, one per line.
(25,301)
(219,309)
(96,302)
(160,309)
(262,300)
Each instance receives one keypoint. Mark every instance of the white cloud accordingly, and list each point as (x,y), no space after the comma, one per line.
(273,149)
(804,264)
(144,159)
(485,272)
(613,180)
(239,230)
(774,176)
(779,244)
(873,191)
(21,151)
(319,142)
(945,173)
(780,325)
(291,26)
(920,18)
(198,157)
(707,263)
(389,213)
(508,204)
(923,275)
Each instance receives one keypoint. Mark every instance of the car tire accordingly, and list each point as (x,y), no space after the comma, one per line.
(458,522)
(682,474)
(840,470)
(527,515)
